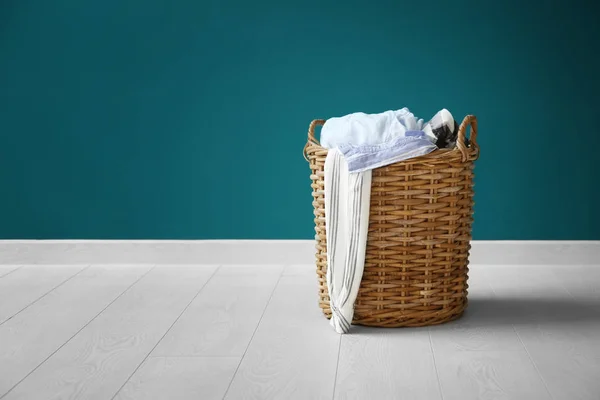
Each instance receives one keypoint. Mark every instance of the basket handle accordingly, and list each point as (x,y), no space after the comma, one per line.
(311,135)
(462,133)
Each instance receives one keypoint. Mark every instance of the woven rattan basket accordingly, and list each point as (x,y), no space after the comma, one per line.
(417,256)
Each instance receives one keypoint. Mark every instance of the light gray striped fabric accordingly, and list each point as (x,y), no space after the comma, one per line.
(347,197)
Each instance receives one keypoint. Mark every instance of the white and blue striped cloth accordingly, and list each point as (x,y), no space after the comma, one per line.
(363,158)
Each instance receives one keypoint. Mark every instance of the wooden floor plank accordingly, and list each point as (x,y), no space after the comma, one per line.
(180,378)
(101,358)
(7,269)
(28,284)
(564,343)
(34,334)
(293,354)
(489,375)
(582,281)
(386,364)
(222,319)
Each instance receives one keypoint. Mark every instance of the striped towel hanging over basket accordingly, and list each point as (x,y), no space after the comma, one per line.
(418,242)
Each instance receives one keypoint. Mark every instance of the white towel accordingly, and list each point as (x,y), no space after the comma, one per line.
(347,197)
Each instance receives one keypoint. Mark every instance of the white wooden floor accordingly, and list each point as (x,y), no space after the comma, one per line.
(255,332)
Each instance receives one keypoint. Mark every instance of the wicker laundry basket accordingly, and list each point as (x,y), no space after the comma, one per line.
(416,264)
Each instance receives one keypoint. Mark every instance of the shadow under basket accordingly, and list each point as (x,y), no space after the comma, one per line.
(418,242)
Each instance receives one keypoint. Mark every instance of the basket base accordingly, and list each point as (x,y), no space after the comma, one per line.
(409,321)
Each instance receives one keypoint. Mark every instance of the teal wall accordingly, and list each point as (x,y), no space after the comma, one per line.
(162,119)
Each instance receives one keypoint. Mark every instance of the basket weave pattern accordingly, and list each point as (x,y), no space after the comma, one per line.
(416,262)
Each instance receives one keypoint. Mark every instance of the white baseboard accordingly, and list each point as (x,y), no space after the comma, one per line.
(265,252)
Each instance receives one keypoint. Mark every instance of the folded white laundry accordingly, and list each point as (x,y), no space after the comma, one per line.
(360,129)
(347,199)
(369,141)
